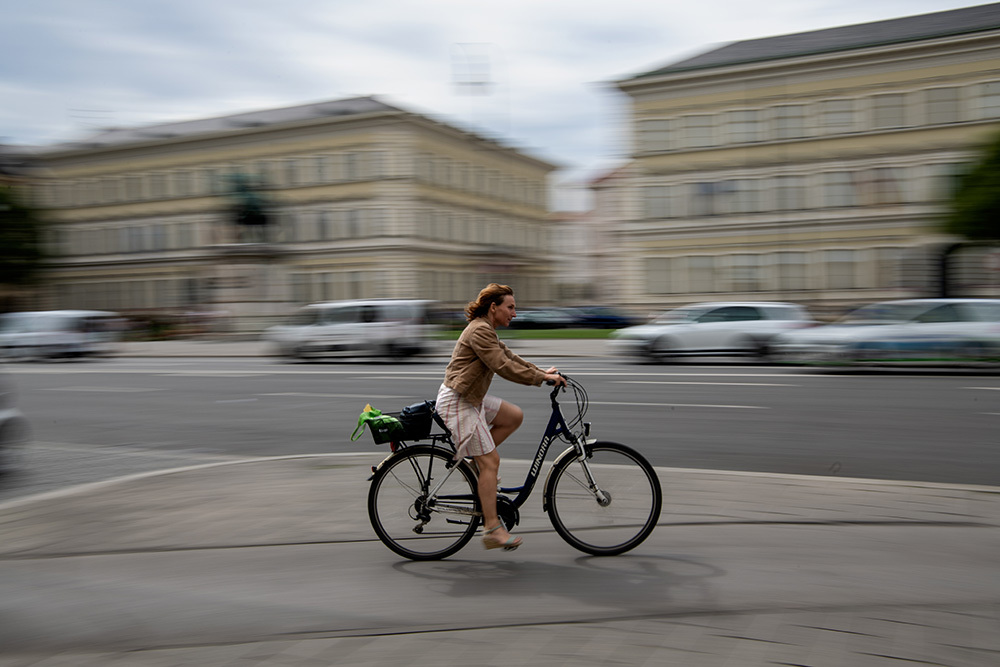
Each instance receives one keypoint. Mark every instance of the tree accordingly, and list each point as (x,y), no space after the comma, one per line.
(974,209)
(21,252)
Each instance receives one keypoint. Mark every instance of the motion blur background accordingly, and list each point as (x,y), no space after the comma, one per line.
(192,166)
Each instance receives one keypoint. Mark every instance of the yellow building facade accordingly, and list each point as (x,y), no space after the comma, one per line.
(364,199)
(809,167)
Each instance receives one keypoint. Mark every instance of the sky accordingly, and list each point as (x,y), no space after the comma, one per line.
(71,67)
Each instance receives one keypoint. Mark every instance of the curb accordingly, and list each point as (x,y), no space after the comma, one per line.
(818,480)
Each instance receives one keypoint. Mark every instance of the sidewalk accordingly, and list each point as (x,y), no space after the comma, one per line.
(272,562)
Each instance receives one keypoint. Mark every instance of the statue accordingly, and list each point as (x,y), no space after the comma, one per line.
(248,211)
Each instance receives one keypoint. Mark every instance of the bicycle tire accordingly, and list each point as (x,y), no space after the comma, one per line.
(398,494)
(635,499)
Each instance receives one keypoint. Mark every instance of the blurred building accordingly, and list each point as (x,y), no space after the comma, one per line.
(364,200)
(808,167)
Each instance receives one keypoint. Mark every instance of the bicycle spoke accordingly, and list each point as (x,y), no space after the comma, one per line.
(407,520)
(630,507)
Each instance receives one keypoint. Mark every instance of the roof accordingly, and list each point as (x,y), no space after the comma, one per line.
(129,135)
(355,106)
(879,33)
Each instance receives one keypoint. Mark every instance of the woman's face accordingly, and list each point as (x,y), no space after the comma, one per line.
(502,315)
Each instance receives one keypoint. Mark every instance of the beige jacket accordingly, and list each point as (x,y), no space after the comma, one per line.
(478,355)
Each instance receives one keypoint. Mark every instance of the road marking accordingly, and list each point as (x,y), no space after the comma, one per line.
(682,405)
(727,384)
(128,390)
(312,395)
(238,400)
(213,374)
(136,451)
(984,388)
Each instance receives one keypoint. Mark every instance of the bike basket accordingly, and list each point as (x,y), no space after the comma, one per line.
(416,421)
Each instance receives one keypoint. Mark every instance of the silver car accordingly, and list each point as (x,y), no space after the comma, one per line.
(721,329)
(371,327)
(904,331)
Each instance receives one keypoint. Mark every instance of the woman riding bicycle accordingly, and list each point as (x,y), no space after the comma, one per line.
(479,422)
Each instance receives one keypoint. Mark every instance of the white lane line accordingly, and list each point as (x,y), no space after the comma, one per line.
(682,405)
(128,390)
(238,400)
(984,388)
(125,450)
(312,395)
(726,384)
(712,375)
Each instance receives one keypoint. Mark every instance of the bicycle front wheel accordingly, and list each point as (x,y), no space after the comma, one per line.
(411,521)
(617,513)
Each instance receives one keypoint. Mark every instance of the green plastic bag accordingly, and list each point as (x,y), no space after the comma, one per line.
(381,426)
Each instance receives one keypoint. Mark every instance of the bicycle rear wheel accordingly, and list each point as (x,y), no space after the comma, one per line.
(617,520)
(412,523)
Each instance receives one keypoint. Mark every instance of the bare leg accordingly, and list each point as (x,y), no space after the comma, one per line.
(507,420)
(488,466)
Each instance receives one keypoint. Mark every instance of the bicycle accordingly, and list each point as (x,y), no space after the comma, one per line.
(603,498)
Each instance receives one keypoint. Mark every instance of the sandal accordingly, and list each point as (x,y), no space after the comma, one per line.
(490,542)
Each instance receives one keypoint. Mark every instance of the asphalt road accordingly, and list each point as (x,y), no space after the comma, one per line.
(100,419)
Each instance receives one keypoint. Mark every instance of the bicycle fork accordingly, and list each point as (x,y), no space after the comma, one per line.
(602,497)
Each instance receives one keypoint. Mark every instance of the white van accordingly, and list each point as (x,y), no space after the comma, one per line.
(372,327)
(49,334)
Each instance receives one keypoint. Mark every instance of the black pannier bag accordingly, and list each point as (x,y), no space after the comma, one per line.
(416,421)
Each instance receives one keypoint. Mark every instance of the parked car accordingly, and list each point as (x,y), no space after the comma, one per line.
(543,318)
(602,317)
(13,425)
(903,331)
(51,334)
(374,327)
(721,329)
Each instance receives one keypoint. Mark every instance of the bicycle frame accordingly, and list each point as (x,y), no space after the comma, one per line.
(556,428)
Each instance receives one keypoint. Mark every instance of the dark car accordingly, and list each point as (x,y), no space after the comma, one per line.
(603,317)
(543,318)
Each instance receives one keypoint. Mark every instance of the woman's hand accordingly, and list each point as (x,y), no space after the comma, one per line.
(552,376)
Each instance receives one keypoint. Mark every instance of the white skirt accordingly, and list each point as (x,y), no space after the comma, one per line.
(469,424)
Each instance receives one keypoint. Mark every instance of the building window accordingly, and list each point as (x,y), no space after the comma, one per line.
(838,189)
(655,135)
(888,111)
(703,198)
(942,106)
(742,126)
(988,100)
(836,116)
(658,275)
(790,193)
(657,198)
(887,263)
(351,167)
(698,131)
(840,269)
(744,271)
(746,196)
(792,270)
(701,274)
(789,121)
